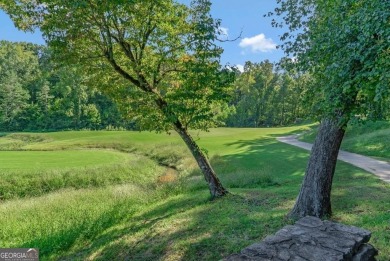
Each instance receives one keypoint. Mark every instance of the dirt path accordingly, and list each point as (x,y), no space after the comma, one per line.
(378,167)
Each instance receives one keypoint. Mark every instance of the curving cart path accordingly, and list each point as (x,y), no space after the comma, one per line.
(378,167)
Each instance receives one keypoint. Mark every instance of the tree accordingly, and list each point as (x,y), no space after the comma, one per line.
(18,66)
(37,94)
(265,96)
(345,46)
(13,99)
(255,89)
(157,58)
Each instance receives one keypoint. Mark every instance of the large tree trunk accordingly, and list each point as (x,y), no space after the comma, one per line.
(215,186)
(314,197)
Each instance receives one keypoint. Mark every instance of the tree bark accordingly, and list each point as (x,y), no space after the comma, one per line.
(215,186)
(314,196)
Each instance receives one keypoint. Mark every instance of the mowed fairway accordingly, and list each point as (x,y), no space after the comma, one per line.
(110,196)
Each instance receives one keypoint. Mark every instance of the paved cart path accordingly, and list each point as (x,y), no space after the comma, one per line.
(378,167)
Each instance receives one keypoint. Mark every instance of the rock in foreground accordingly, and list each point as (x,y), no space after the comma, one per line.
(312,239)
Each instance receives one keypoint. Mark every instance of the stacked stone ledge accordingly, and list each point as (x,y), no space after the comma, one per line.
(314,240)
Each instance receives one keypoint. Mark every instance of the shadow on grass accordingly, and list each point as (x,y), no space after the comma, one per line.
(186,227)
(264,157)
(65,239)
(356,191)
(361,199)
(190,227)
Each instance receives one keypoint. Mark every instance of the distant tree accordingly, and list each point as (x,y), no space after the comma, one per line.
(90,117)
(110,115)
(13,100)
(19,60)
(157,58)
(266,96)
(38,94)
(345,46)
(18,66)
(255,88)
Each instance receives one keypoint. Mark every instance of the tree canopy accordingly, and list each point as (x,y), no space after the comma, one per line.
(164,49)
(36,94)
(345,46)
(266,96)
(158,59)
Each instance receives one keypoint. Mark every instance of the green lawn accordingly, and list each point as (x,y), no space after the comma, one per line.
(370,139)
(128,211)
(44,160)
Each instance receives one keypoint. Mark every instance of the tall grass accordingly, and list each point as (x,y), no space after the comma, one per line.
(150,216)
(134,169)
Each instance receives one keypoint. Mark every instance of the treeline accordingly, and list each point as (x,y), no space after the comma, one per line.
(266,96)
(37,95)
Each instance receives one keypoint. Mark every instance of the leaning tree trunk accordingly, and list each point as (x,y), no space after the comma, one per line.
(215,186)
(314,197)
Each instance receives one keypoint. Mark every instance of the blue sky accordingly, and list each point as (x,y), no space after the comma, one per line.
(258,38)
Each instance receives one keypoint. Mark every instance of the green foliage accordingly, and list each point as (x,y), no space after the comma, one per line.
(17,67)
(266,97)
(349,60)
(158,59)
(18,60)
(13,99)
(37,95)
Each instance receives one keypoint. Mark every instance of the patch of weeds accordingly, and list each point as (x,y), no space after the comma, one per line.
(28,138)
(169,155)
(16,141)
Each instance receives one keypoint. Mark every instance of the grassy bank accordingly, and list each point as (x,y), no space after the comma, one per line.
(370,139)
(152,214)
(35,173)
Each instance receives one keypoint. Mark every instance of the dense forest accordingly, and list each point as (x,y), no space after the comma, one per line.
(265,95)
(36,94)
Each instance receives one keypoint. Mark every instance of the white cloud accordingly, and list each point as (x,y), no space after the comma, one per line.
(240,67)
(258,43)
